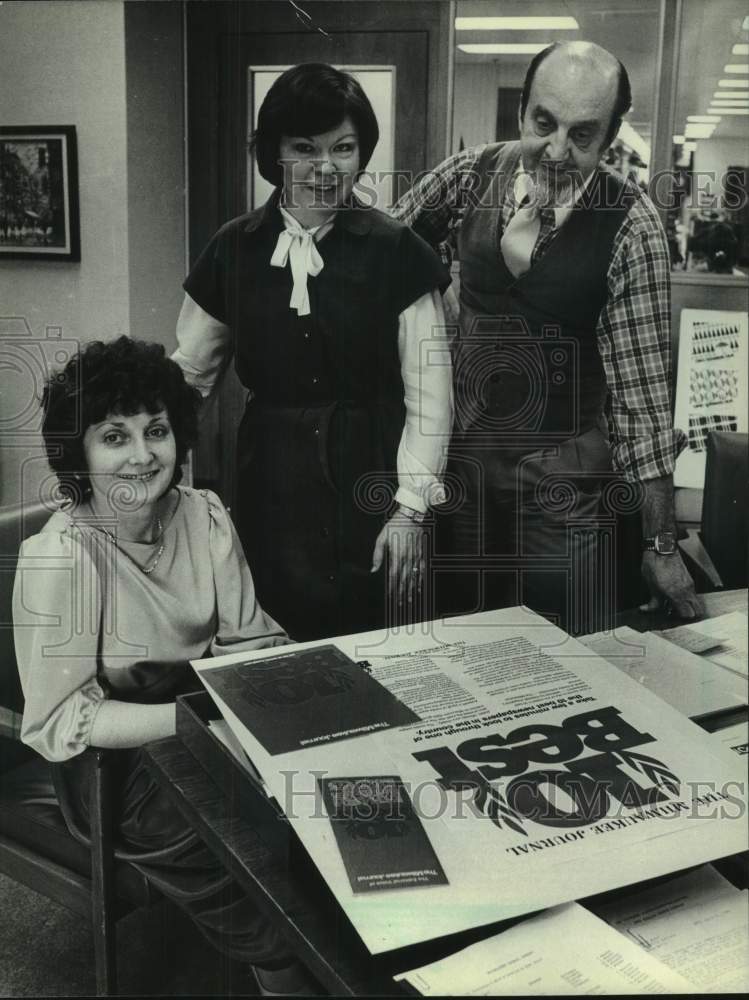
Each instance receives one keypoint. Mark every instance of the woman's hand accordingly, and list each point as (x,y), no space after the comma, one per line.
(401,541)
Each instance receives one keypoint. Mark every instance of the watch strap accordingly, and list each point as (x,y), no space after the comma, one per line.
(663,546)
(417,516)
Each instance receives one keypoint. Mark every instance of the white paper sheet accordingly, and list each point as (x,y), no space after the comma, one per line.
(732,654)
(689,637)
(691,684)
(566,951)
(514,841)
(696,924)
(735,737)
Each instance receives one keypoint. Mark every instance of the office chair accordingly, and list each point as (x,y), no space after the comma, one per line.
(724,506)
(36,848)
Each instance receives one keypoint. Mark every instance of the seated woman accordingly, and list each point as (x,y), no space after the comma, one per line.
(327,306)
(133,576)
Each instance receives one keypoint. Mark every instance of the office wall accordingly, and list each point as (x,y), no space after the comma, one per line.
(155,167)
(63,63)
(114,70)
(475,99)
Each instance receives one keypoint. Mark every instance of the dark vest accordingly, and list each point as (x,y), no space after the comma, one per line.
(347,349)
(527,367)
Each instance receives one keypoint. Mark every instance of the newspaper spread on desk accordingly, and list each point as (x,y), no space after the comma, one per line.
(540,773)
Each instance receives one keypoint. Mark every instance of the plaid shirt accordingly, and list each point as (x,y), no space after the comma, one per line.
(633,330)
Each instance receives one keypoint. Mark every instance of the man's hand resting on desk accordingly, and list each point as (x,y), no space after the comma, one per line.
(669,583)
(667,577)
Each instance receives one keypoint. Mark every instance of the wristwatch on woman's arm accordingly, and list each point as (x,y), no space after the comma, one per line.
(417,516)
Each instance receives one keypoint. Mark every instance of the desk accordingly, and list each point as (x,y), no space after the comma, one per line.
(722,602)
(294,896)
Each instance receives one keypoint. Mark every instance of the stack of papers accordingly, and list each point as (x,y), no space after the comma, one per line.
(686,936)
(564,952)
(696,924)
(667,664)
(723,640)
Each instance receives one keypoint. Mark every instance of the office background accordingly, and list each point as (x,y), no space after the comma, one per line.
(158,93)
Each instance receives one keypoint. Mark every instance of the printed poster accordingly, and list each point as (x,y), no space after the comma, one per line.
(711,384)
(540,773)
(305,697)
(381,839)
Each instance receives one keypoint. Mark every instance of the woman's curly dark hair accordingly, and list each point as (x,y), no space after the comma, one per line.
(122,376)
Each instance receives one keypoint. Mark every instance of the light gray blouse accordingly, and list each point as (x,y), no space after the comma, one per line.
(89,624)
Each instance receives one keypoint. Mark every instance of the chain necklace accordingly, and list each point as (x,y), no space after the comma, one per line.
(159,534)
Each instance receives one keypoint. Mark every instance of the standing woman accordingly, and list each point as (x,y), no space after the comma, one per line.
(324,305)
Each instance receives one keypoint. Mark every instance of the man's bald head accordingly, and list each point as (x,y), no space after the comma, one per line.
(587,58)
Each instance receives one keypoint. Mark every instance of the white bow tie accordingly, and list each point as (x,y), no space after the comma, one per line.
(296,246)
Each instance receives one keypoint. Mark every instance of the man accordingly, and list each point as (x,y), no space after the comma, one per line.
(562,366)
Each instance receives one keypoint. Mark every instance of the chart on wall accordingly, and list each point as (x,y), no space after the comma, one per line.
(711,384)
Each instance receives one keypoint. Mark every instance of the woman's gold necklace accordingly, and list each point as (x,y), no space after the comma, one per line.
(159,534)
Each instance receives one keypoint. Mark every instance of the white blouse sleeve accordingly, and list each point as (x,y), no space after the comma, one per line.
(241,622)
(426,370)
(204,346)
(56,625)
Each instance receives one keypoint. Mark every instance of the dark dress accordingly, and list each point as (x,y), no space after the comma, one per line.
(317,445)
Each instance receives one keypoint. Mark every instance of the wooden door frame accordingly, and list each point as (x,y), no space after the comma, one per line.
(208,24)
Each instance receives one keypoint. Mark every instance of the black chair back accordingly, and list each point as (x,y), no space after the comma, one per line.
(16,524)
(724,506)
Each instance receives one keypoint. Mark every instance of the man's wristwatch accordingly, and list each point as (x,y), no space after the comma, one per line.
(662,542)
(416,516)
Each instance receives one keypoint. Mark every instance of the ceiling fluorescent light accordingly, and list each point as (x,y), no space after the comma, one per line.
(736,68)
(516,24)
(704,118)
(504,48)
(695,131)
(730,95)
(730,102)
(733,83)
(678,140)
(745,23)
(740,50)
(731,111)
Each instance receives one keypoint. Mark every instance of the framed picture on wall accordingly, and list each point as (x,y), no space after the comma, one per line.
(39,193)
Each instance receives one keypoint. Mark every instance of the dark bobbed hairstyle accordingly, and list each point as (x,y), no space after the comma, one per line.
(622,104)
(122,376)
(307,100)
